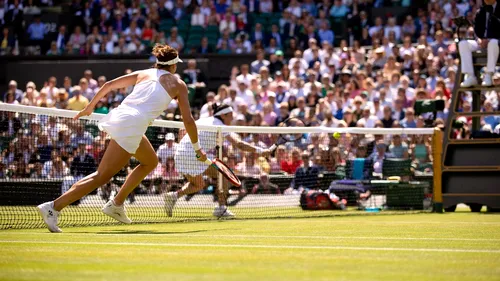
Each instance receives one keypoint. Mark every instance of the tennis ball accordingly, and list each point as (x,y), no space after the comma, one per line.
(336,135)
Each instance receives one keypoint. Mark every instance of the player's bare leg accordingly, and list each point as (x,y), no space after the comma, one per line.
(194,184)
(148,161)
(222,194)
(113,160)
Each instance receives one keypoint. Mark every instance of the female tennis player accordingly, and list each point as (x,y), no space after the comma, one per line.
(153,90)
(186,164)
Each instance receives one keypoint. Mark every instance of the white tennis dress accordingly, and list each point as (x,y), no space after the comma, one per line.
(127,123)
(185,156)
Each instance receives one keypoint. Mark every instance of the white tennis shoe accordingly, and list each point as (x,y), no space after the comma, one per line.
(222,212)
(170,200)
(117,212)
(49,216)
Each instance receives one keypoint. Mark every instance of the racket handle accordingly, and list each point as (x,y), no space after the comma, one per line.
(208,162)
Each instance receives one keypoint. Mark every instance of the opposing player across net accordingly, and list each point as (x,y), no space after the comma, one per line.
(53,145)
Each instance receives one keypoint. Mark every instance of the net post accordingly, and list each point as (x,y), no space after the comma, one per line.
(219,155)
(437,152)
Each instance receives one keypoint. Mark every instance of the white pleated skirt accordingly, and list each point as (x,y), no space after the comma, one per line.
(187,164)
(126,126)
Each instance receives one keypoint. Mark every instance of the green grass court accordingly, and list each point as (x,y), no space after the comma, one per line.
(452,246)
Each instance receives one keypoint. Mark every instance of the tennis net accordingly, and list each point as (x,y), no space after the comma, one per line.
(45,151)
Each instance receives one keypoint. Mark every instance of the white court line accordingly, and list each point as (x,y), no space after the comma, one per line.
(188,235)
(254,246)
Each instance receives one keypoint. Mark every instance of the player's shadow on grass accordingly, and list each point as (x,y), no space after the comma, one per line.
(132,232)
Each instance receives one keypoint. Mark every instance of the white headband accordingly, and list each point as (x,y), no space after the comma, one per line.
(170,62)
(224,111)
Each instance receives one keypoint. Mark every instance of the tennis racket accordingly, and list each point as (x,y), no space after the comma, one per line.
(225,171)
(292,137)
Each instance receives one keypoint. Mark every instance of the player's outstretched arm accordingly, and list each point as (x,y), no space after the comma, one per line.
(237,142)
(188,119)
(118,83)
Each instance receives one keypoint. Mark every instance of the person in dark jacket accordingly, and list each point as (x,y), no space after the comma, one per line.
(487,30)
(83,163)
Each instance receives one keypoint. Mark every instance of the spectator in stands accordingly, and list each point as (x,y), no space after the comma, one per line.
(44,148)
(492,120)
(167,150)
(121,48)
(67,85)
(31,94)
(265,186)
(293,163)
(248,167)
(61,101)
(338,10)
(206,110)
(197,18)
(77,40)
(409,120)
(204,47)
(36,31)
(421,150)
(80,135)
(244,93)
(83,163)
(10,125)
(175,40)
(133,29)
(13,88)
(92,83)
(10,97)
(101,107)
(259,62)
(325,34)
(86,91)
(194,76)
(227,23)
(387,121)
(398,148)
(51,89)
(15,18)
(306,176)
(53,51)
(57,168)
(7,41)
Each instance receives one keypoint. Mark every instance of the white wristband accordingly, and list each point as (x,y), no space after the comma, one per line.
(196,146)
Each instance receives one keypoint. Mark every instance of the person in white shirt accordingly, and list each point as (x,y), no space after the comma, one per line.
(244,93)
(167,150)
(266,6)
(298,58)
(197,18)
(245,75)
(391,26)
(377,27)
(206,109)
(369,120)
(233,100)
(132,29)
(227,22)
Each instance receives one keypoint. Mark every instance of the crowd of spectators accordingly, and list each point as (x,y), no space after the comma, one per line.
(232,26)
(371,80)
